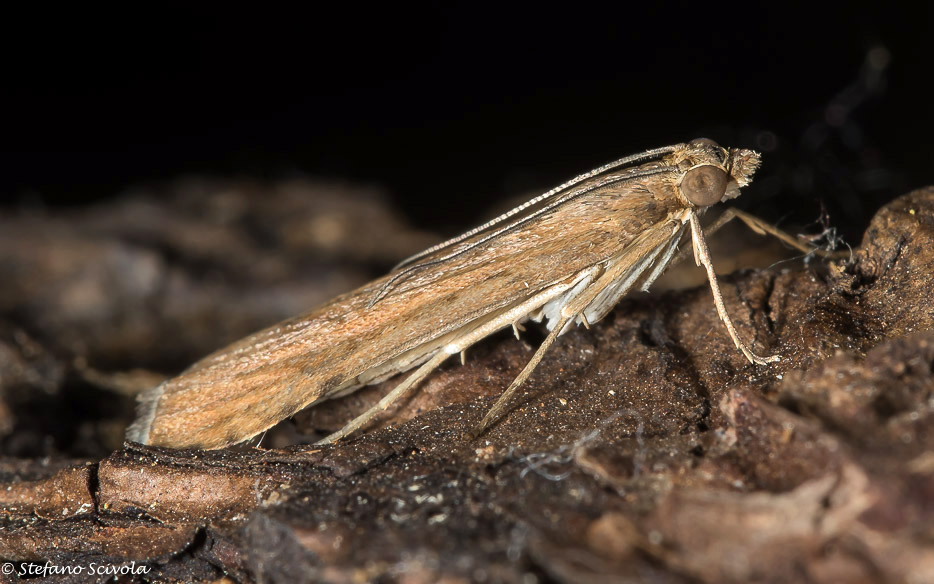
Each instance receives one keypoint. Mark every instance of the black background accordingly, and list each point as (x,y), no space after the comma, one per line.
(454,107)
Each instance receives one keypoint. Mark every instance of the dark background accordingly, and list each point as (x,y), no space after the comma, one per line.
(457,106)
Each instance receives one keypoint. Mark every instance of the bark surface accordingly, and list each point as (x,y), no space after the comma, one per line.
(645,449)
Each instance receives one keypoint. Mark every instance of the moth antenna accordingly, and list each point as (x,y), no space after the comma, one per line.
(408,267)
(640,157)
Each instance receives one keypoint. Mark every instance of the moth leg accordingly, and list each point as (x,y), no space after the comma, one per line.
(703,257)
(764,228)
(455,346)
(516,327)
(503,401)
(398,392)
(627,270)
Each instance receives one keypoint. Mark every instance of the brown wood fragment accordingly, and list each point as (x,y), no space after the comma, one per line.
(646,449)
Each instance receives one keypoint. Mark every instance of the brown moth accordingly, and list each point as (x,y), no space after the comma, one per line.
(565,257)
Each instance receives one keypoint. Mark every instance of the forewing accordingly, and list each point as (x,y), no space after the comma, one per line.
(394,323)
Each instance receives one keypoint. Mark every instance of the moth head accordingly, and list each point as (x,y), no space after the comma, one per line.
(714,174)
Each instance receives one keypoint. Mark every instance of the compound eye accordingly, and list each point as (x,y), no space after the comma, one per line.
(704,185)
(705,142)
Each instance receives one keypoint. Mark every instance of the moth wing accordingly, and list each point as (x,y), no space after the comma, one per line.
(251,385)
(398,321)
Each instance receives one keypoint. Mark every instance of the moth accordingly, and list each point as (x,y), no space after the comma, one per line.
(563,258)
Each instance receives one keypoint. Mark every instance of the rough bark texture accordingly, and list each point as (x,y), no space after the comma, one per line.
(645,449)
